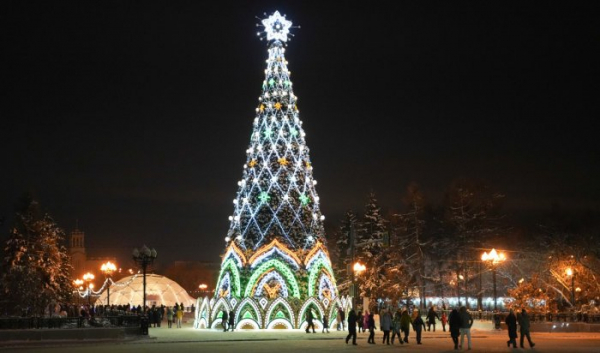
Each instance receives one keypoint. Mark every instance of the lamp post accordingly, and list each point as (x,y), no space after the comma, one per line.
(358,269)
(144,257)
(108,268)
(202,288)
(78,287)
(571,273)
(493,259)
(88,278)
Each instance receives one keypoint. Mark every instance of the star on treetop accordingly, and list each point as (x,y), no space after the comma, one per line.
(277,27)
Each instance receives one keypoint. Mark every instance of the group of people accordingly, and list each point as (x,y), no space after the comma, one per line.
(227,320)
(173,313)
(522,319)
(459,322)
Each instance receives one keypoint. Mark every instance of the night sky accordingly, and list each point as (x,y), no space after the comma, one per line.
(132,118)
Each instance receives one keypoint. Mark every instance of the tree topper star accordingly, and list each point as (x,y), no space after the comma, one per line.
(277,27)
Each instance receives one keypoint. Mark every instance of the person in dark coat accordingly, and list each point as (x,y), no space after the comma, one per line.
(325,322)
(231,321)
(371,339)
(405,322)
(351,327)
(224,319)
(359,320)
(396,327)
(309,321)
(431,315)
(418,325)
(511,324)
(454,323)
(523,320)
(466,321)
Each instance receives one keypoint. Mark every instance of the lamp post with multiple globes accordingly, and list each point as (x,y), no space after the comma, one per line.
(79,287)
(108,268)
(144,257)
(493,258)
(88,278)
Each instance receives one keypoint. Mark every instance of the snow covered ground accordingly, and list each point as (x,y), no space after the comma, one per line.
(186,339)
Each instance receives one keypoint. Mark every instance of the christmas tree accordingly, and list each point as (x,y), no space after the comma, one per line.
(276,265)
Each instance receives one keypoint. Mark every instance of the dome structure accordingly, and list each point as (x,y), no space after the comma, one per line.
(160,290)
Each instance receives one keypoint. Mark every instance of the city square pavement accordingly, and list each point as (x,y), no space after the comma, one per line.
(187,339)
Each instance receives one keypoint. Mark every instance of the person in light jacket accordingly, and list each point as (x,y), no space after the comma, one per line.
(385,322)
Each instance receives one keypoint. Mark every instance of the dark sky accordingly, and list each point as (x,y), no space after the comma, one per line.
(133,117)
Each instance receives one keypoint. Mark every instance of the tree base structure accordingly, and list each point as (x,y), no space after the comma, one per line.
(273,289)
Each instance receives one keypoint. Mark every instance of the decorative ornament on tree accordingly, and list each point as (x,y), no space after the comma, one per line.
(277,27)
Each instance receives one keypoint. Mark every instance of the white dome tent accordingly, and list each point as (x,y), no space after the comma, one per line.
(160,290)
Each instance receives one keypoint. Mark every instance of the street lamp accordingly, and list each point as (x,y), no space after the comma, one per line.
(89,277)
(79,287)
(493,259)
(571,273)
(108,268)
(144,257)
(358,269)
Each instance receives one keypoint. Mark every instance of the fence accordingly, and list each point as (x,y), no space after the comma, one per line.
(16,323)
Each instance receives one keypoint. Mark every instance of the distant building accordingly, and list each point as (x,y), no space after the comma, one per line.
(79,259)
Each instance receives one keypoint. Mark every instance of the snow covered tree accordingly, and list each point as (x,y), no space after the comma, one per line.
(36,268)
(472,215)
(371,249)
(412,241)
(344,248)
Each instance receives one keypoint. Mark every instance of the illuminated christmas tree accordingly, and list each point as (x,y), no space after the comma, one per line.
(276,265)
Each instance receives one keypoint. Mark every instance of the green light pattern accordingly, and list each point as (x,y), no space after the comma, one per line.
(282,268)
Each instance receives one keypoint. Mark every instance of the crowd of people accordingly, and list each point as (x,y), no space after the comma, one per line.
(398,326)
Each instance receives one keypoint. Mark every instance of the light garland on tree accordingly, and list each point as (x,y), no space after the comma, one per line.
(282,268)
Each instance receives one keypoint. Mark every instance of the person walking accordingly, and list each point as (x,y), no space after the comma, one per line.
(343,318)
(405,323)
(466,321)
(231,321)
(169,317)
(326,323)
(523,320)
(431,316)
(396,327)
(309,321)
(444,321)
(372,327)
(359,320)
(511,324)
(179,315)
(224,319)
(385,322)
(418,326)
(339,319)
(351,327)
(365,323)
(454,323)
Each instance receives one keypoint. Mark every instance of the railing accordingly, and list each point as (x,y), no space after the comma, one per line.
(19,323)
(534,317)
